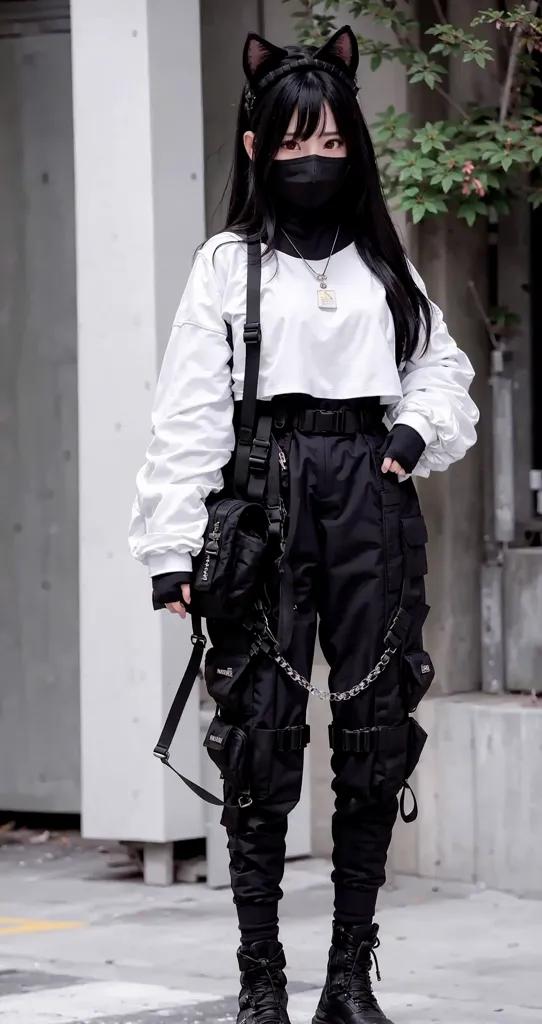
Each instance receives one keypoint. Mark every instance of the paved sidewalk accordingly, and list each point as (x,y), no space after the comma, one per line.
(79,943)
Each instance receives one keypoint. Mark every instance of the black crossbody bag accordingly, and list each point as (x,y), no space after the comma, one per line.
(227,572)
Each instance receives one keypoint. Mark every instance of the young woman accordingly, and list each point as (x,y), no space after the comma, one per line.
(348,337)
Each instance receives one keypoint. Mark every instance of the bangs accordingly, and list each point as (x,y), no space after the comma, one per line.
(303,97)
(311,111)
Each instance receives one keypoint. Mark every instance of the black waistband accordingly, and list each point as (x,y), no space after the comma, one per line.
(321,416)
(332,421)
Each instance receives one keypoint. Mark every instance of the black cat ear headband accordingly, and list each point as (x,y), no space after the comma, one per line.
(264,63)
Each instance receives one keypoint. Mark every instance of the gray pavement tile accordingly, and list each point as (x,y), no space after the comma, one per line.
(14,981)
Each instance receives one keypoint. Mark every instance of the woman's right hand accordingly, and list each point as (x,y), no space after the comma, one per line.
(178,607)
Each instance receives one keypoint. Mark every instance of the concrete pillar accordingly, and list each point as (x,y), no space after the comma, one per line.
(140,216)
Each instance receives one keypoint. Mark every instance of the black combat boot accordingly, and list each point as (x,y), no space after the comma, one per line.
(348,996)
(263,998)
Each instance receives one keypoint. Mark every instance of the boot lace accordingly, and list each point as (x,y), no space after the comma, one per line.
(262,991)
(359,985)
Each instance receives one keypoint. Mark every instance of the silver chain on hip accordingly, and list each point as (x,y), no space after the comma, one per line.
(269,643)
(348,694)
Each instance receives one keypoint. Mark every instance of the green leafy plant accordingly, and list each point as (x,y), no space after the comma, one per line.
(477,159)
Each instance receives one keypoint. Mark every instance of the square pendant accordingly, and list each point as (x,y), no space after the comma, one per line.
(326,299)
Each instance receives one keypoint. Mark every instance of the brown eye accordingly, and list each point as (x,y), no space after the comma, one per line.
(290,144)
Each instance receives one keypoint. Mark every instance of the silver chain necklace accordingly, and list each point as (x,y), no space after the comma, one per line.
(327,298)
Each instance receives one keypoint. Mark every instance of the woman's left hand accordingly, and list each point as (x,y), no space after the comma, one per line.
(406,446)
(391,466)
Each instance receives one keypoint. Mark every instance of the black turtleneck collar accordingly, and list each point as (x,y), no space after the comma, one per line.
(312,231)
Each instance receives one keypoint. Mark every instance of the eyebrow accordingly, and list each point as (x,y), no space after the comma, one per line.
(323,134)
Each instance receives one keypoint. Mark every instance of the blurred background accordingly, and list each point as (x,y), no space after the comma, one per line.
(116,129)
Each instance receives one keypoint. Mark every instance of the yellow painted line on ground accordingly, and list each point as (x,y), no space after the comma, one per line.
(25,925)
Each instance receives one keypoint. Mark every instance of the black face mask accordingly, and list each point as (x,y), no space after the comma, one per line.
(308,181)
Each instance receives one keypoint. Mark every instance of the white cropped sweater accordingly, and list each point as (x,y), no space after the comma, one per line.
(344,353)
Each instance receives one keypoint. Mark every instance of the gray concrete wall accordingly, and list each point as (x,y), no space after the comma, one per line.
(514,292)
(222,75)
(449,255)
(39,672)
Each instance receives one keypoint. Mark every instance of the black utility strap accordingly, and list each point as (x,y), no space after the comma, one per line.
(161,749)
(274,505)
(258,460)
(252,337)
(413,814)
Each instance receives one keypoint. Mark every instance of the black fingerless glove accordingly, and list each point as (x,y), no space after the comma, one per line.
(403,444)
(166,588)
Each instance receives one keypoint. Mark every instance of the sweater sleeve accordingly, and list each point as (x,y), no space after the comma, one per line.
(192,431)
(436,400)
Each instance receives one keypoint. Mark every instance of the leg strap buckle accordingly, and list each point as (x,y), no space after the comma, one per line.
(296,737)
(353,741)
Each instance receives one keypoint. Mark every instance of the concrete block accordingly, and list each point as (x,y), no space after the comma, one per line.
(522,602)
(479,794)
(446,798)
(158,865)
(509,801)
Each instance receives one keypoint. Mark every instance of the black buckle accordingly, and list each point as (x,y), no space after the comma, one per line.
(162,753)
(252,334)
(259,455)
(352,741)
(294,737)
(198,641)
(263,641)
(398,629)
(324,420)
(328,421)
(275,517)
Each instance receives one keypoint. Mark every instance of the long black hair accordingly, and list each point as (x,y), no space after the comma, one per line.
(251,211)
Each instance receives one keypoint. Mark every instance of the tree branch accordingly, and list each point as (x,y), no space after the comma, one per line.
(440,13)
(456,106)
(480,307)
(512,66)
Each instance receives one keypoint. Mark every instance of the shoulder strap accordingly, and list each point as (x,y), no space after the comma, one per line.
(161,749)
(252,337)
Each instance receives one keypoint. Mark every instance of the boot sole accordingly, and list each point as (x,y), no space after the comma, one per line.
(321,1018)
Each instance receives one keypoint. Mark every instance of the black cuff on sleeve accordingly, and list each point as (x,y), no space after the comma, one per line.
(405,445)
(166,588)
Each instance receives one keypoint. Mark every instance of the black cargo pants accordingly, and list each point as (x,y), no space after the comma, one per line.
(355,535)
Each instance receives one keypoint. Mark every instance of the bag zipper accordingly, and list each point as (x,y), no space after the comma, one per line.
(212,545)
(283,463)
